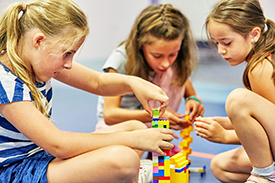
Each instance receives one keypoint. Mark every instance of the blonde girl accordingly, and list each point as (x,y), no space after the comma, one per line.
(38,40)
(242,33)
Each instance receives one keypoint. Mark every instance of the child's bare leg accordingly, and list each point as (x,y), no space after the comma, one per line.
(231,166)
(110,164)
(253,119)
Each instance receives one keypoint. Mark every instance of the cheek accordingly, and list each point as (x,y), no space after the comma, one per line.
(173,59)
(238,56)
(55,60)
(243,52)
(153,62)
(245,48)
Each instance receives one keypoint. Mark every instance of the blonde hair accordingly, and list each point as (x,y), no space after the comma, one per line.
(242,16)
(162,22)
(53,17)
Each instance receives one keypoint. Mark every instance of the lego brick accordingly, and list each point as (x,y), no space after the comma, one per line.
(164,178)
(159,174)
(155,169)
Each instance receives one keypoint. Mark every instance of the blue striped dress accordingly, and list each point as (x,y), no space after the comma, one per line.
(21,160)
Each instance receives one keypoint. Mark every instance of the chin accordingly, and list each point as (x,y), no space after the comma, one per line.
(232,64)
(44,79)
(235,63)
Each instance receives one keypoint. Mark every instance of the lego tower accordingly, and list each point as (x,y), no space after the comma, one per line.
(161,164)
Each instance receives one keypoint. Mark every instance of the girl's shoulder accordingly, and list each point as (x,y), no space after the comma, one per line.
(7,76)
(117,60)
(263,66)
(262,81)
(12,88)
(261,75)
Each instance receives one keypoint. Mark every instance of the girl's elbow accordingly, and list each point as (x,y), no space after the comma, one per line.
(58,152)
(108,118)
(58,149)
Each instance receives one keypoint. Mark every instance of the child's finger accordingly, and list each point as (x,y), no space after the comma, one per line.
(165,144)
(199,124)
(160,152)
(162,110)
(163,106)
(147,107)
(175,136)
(166,131)
(199,118)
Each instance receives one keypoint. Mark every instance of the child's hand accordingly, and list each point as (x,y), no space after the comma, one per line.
(154,139)
(209,129)
(194,109)
(146,91)
(176,120)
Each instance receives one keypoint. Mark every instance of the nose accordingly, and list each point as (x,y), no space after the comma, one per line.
(165,63)
(68,64)
(221,50)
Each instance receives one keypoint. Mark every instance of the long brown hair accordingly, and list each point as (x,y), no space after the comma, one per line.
(243,16)
(162,22)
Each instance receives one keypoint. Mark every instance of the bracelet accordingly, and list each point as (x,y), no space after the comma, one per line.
(192,97)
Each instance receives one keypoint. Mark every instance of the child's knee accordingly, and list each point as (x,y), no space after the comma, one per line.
(125,161)
(214,164)
(236,101)
(123,155)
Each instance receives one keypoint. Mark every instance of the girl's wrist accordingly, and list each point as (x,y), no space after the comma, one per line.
(192,97)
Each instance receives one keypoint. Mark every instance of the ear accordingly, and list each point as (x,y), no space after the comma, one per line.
(255,34)
(37,39)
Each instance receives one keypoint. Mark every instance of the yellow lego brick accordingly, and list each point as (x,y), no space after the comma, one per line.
(164,181)
(187,150)
(179,177)
(179,160)
(175,157)
(187,118)
(155,164)
(161,167)
(187,131)
(167,168)
(188,138)
(167,172)
(186,142)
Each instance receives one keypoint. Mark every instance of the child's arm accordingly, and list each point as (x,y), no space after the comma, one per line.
(111,84)
(30,122)
(216,129)
(114,114)
(193,107)
(224,122)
